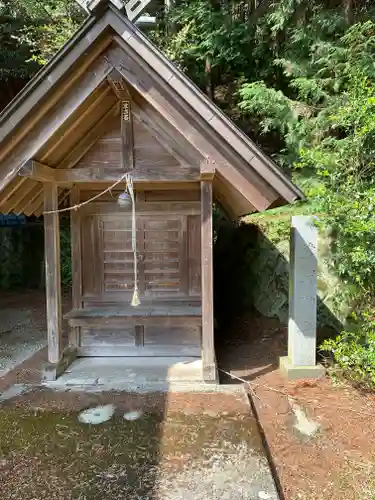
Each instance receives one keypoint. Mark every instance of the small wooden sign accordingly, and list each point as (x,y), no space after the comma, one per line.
(125,111)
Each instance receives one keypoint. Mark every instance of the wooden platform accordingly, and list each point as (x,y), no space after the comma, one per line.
(163,329)
(141,314)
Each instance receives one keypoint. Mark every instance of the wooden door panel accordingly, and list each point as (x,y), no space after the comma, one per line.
(168,255)
(173,336)
(106,337)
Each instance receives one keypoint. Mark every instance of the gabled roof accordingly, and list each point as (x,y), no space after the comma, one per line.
(70,98)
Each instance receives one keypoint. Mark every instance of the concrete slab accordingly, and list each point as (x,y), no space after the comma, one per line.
(14,391)
(293,372)
(136,373)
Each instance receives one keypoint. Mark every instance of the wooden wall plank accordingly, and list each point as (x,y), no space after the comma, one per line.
(146,208)
(76,126)
(91,280)
(147,150)
(194,254)
(183,256)
(53,281)
(80,149)
(172,141)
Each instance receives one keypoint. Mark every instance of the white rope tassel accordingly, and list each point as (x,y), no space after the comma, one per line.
(129,186)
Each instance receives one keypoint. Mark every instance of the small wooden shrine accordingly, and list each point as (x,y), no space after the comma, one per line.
(107,105)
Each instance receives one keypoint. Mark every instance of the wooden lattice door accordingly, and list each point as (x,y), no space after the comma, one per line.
(108,258)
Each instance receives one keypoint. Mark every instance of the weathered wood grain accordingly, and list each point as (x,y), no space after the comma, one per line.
(194,254)
(208,345)
(53,283)
(116,351)
(76,249)
(144,208)
(145,173)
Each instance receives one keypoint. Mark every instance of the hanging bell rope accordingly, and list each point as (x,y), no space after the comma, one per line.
(129,185)
(125,199)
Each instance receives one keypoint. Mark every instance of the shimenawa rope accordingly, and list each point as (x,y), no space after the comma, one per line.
(129,187)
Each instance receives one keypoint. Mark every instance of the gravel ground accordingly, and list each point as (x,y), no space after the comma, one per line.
(23,330)
(21,335)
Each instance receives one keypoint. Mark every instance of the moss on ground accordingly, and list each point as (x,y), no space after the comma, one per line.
(52,455)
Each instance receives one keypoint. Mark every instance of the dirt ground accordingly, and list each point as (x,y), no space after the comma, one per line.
(336,463)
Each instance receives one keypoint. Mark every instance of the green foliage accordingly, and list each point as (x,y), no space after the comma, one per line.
(31,32)
(299,76)
(65,254)
(350,215)
(21,250)
(354,353)
(326,117)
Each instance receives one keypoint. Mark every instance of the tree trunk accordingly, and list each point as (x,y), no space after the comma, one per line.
(349,11)
(210,85)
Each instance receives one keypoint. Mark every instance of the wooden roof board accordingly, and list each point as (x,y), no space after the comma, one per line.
(66,137)
(247,181)
(199,102)
(243,162)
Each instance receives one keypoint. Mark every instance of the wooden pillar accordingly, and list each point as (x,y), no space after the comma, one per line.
(208,347)
(75,234)
(53,280)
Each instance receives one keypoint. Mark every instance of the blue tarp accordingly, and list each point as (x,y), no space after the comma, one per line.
(12,220)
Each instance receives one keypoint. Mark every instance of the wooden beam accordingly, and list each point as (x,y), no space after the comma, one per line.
(53,282)
(145,173)
(208,346)
(75,232)
(38,171)
(208,169)
(118,85)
